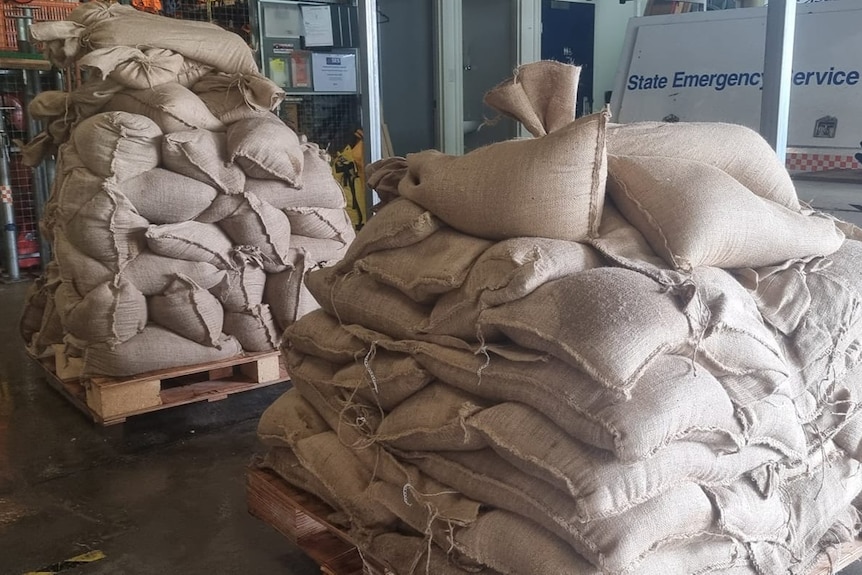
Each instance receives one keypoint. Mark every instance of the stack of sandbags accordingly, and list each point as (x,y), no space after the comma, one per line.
(523,373)
(184,215)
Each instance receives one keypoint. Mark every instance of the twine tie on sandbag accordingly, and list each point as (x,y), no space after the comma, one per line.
(369,357)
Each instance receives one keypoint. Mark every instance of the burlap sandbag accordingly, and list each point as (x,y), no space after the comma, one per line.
(615,545)
(317,178)
(427,269)
(737,150)
(108,229)
(154,348)
(321,223)
(283,196)
(320,334)
(60,41)
(287,296)
(192,241)
(188,310)
(152,274)
(254,328)
(604,486)
(172,107)
(191,72)
(505,272)
(165,197)
(541,95)
(611,323)
(112,313)
(202,155)
(35,301)
(118,144)
(549,187)
(243,285)
(400,224)
(694,214)
(198,41)
(358,298)
(134,68)
(284,462)
(256,223)
(621,243)
(318,251)
(673,401)
(401,552)
(267,149)
(381,378)
(337,467)
(433,419)
(77,268)
(289,419)
(383,176)
(223,206)
(236,97)
(74,190)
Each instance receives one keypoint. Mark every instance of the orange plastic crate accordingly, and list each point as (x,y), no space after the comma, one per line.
(42,10)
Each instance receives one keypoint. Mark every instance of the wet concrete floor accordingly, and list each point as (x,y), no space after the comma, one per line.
(160,494)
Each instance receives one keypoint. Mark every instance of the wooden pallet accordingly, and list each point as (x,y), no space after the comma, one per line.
(302,519)
(111,400)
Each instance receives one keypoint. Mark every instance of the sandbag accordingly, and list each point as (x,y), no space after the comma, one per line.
(165,197)
(318,251)
(172,107)
(610,323)
(202,155)
(433,419)
(287,296)
(317,179)
(289,419)
(602,486)
(256,223)
(203,42)
(192,241)
(155,348)
(152,274)
(188,310)
(736,150)
(77,268)
(223,206)
(243,285)
(399,224)
(358,298)
(429,268)
(112,313)
(267,149)
(320,223)
(59,40)
(73,191)
(550,187)
(254,328)
(505,272)
(236,97)
(134,68)
(541,95)
(35,301)
(108,229)
(383,176)
(321,335)
(118,144)
(694,214)
(283,196)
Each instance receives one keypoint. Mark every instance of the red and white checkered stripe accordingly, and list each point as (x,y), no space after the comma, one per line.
(5,194)
(809,162)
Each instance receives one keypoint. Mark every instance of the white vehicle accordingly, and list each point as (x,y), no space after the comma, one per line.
(708,66)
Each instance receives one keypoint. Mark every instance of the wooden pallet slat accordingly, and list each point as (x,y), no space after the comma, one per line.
(112,400)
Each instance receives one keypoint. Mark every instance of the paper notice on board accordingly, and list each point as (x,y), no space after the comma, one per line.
(317,22)
(334,72)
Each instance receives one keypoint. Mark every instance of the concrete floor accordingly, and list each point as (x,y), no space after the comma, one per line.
(162,493)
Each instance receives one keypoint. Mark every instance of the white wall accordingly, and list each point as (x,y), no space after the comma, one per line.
(611,21)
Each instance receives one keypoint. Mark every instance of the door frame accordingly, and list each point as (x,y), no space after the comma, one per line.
(449,62)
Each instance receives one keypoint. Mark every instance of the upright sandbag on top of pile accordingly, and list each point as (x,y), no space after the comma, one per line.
(556,192)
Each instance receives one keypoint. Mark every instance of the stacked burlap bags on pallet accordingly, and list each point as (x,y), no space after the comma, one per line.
(184,214)
(608,349)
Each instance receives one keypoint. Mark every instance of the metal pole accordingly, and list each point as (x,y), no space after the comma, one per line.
(32,87)
(10,230)
(372,132)
(778,63)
